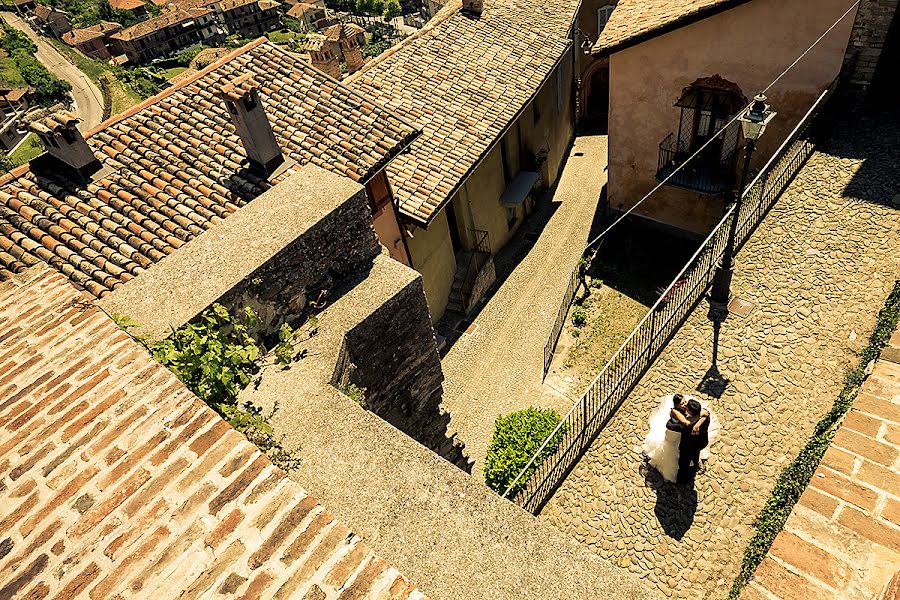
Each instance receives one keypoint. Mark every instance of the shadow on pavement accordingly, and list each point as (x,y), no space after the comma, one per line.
(676,504)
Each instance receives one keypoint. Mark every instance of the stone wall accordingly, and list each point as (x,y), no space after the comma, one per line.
(290,245)
(392,354)
(867,41)
(310,239)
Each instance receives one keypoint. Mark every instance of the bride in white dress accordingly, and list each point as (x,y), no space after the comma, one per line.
(661,443)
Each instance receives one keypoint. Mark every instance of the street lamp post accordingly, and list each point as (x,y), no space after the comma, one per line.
(753,125)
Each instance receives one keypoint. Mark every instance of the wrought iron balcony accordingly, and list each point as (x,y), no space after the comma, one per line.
(706,174)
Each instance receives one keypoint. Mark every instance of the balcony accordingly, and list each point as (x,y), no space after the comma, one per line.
(709,173)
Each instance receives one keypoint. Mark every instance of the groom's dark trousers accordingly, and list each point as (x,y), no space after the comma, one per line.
(689,450)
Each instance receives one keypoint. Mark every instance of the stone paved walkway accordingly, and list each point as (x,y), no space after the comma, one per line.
(817,271)
(498,368)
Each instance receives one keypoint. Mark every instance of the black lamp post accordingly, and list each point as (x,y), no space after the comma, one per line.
(753,124)
(586,43)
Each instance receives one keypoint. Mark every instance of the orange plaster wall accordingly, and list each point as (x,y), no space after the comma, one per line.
(748,45)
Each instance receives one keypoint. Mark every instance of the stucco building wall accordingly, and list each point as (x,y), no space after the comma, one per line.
(432,256)
(544,127)
(749,45)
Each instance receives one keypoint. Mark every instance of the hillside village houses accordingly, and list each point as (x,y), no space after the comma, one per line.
(52,20)
(340,43)
(179,26)
(311,15)
(699,64)
(93,41)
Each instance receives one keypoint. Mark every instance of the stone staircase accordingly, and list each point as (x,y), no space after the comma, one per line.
(474,273)
(457,300)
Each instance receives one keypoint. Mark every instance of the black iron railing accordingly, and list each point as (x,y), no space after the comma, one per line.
(480,254)
(711,176)
(550,346)
(635,356)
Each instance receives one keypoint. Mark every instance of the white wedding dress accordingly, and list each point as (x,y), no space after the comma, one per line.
(661,444)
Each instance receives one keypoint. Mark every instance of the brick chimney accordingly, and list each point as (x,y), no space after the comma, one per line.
(241,97)
(350,49)
(322,56)
(473,8)
(56,127)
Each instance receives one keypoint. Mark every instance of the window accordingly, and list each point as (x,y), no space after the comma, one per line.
(603,16)
(706,106)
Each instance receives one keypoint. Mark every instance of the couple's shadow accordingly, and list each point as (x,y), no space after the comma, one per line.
(676,504)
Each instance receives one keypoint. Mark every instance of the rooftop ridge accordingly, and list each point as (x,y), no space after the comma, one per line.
(450,9)
(181,84)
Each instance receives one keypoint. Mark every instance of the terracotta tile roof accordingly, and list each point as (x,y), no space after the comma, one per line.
(42,11)
(13,94)
(338,30)
(79,36)
(115,480)
(229,5)
(633,21)
(314,42)
(126,4)
(301,8)
(463,81)
(168,18)
(52,119)
(176,169)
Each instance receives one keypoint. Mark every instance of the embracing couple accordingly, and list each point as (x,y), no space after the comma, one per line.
(681,430)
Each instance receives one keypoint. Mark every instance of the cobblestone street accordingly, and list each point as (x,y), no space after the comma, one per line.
(816,272)
(497,368)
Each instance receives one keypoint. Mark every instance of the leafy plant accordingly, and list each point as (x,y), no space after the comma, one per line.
(579,316)
(373,49)
(517,437)
(124,321)
(284,351)
(216,357)
(355,393)
(391,10)
(796,476)
(47,88)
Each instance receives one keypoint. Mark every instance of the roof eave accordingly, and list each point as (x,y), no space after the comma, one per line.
(601,52)
(440,207)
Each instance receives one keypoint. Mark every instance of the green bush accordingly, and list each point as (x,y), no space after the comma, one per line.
(293,25)
(373,49)
(517,436)
(796,476)
(579,316)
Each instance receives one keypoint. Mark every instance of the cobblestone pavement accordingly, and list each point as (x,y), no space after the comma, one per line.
(498,367)
(817,271)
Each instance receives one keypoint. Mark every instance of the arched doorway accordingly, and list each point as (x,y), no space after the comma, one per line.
(594,113)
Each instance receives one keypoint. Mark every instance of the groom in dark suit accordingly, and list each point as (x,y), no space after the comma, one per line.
(694,438)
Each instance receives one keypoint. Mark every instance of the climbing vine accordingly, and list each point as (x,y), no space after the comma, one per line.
(216,357)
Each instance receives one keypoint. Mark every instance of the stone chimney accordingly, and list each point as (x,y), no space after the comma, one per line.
(351,51)
(241,97)
(56,127)
(473,8)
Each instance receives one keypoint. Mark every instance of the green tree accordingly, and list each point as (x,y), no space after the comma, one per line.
(377,7)
(391,10)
